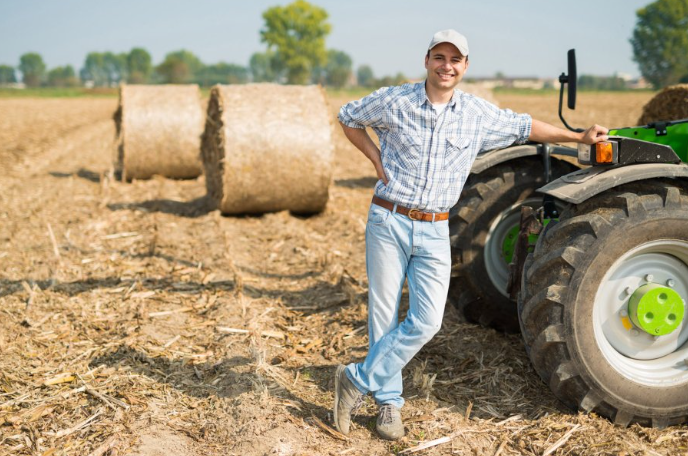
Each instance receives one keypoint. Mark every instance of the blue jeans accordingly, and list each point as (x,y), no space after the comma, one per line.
(396,248)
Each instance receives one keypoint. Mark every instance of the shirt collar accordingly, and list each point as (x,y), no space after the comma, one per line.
(422,95)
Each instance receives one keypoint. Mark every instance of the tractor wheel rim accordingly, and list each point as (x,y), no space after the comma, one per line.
(631,350)
(499,242)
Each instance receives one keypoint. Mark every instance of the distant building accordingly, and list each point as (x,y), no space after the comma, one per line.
(639,83)
(13,85)
(533,83)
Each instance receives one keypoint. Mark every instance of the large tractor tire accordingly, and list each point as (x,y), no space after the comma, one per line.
(483,230)
(603,305)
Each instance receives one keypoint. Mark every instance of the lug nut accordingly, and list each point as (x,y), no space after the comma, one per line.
(671,283)
(649,278)
(628,290)
(623,313)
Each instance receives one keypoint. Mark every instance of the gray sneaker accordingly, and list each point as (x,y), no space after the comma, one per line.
(389,424)
(347,398)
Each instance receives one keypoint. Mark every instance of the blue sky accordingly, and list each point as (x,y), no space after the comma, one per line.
(518,38)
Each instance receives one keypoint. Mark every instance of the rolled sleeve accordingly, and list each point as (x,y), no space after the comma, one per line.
(503,127)
(366,112)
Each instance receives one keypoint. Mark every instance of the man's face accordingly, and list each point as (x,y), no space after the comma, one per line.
(446,66)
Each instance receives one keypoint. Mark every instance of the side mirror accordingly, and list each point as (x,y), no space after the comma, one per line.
(569,79)
(572,77)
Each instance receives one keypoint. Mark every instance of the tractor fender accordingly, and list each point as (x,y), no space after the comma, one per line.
(491,158)
(585,183)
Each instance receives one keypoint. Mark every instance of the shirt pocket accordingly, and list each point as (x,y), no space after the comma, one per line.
(407,148)
(458,154)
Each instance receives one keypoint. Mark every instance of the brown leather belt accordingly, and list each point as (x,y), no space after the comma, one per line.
(413,214)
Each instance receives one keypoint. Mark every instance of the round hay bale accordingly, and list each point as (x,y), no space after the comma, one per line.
(158,131)
(268,147)
(669,104)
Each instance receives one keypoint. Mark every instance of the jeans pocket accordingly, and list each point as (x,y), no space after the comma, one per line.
(458,153)
(442,228)
(377,215)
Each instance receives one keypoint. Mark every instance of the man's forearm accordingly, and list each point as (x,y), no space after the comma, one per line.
(546,133)
(360,138)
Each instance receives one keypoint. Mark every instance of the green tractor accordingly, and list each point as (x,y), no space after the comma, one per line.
(600,272)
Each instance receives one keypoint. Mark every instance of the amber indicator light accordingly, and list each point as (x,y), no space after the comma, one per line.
(604,152)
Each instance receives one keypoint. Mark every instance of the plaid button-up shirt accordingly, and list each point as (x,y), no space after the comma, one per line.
(427,155)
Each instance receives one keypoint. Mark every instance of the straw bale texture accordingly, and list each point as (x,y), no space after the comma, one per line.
(158,131)
(669,104)
(268,147)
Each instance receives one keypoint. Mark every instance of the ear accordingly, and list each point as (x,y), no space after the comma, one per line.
(427,58)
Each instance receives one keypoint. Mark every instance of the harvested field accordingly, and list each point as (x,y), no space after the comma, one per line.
(135,320)
(613,110)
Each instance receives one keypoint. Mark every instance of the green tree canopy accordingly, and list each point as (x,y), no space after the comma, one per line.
(94,69)
(222,73)
(660,41)
(63,76)
(7,74)
(365,76)
(33,69)
(115,67)
(179,67)
(265,67)
(338,69)
(297,33)
(139,66)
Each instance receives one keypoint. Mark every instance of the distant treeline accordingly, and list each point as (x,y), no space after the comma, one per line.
(601,82)
(296,54)
(108,69)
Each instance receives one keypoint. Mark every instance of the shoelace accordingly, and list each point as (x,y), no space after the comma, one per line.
(386,414)
(357,405)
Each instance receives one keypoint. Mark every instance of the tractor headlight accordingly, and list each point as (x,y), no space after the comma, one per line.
(584,154)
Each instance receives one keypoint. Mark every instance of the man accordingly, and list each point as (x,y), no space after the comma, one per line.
(429,136)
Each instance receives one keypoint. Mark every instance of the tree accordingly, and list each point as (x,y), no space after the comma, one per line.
(7,75)
(33,69)
(115,67)
(94,69)
(139,66)
(62,77)
(338,68)
(265,67)
(297,34)
(660,41)
(222,73)
(179,67)
(365,76)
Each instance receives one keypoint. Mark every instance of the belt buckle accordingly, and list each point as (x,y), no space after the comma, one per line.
(411,216)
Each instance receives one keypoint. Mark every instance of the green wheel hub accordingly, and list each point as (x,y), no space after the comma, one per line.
(509,243)
(656,309)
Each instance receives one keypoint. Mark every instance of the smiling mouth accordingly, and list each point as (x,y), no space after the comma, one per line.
(445,76)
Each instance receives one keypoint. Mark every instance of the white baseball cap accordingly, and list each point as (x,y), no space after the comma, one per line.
(450,36)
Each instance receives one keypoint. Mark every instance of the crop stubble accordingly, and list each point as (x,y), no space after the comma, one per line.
(147,323)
